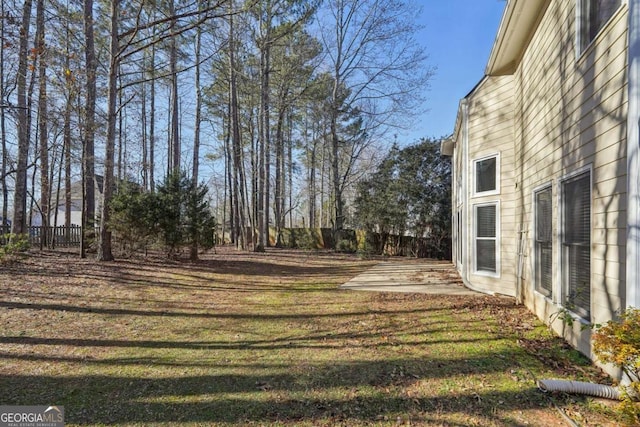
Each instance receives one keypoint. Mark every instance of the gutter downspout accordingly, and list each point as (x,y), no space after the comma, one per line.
(633,159)
(465,191)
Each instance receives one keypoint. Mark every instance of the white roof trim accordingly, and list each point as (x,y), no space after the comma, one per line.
(518,23)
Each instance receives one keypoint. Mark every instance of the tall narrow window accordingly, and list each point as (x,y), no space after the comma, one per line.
(594,14)
(576,244)
(543,242)
(486,241)
(459,238)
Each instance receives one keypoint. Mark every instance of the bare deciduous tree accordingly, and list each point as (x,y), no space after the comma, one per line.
(378,72)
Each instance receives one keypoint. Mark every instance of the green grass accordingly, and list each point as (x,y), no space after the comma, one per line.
(268,339)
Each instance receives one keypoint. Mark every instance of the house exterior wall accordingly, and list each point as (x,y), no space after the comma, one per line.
(76,203)
(560,113)
(59,219)
(571,110)
(488,132)
(632,296)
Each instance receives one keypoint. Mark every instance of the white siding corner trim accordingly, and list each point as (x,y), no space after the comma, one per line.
(464,104)
(633,159)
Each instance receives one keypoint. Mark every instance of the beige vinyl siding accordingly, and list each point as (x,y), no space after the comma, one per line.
(490,132)
(611,235)
(561,114)
(570,114)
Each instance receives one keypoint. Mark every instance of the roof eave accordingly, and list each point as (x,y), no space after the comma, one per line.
(519,21)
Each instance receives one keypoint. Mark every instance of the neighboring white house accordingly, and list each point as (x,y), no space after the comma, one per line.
(546,202)
(58,219)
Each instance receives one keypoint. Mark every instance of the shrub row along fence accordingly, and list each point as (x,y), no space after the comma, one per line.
(366,242)
(69,237)
(298,238)
(49,237)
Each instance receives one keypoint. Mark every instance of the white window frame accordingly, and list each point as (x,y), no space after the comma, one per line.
(560,288)
(580,24)
(475,176)
(534,227)
(495,203)
(456,230)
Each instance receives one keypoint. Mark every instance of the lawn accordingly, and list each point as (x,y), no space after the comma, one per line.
(269,339)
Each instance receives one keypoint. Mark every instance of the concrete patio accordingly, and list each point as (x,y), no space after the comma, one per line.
(411,275)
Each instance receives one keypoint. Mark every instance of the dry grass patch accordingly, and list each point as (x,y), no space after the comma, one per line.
(268,339)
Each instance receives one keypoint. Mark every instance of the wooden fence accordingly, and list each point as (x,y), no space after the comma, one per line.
(313,238)
(47,237)
(435,246)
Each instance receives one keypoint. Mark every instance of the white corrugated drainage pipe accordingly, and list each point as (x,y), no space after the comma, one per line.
(579,387)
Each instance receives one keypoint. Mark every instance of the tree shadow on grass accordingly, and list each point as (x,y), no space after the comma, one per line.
(378,410)
(15,305)
(323,340)
(206,275)
(370,391)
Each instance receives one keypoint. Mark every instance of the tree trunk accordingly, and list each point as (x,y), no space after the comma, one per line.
(312,179)
(145,138)
(196,131)
(290,169)
(88,143)
(42,121)
(228,164)
(67,164)
(257,174)
(3,128)
(19,225)
(32,191)
(238,184)
(265,128)
(169,133)
(260,190)
(120,127)
(267,147)
(173,60)
(56,207)
(279,188)
(335,176)
(323,176)
(66,134)
(152,124)
(104,251)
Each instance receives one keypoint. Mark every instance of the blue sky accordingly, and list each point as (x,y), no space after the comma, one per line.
(458,36)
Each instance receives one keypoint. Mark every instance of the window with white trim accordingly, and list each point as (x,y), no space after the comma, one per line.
(593,15)
(543,243)
(486,238)
(486,173)
(576,244)
(459,237)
